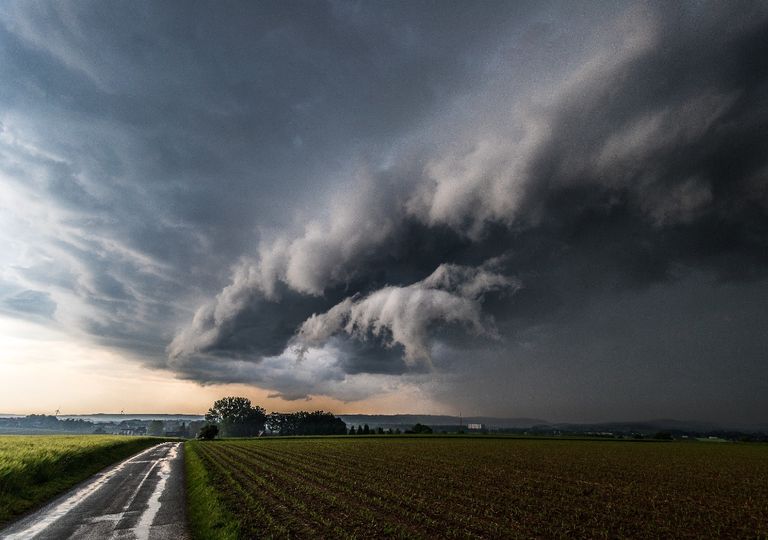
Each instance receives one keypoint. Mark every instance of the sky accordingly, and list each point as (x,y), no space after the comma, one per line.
(555,210)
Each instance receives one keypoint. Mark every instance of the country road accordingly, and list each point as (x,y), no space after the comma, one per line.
(141,498)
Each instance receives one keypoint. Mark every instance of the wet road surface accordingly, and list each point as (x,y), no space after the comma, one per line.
(141,498)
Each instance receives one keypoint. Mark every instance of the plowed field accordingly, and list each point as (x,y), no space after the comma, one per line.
(485,488)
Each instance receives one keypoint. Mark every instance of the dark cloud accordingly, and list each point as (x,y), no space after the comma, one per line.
(371,355)
(687,349)
(332,199)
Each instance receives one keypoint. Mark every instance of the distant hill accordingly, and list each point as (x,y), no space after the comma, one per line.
(662,424)
(112,417)
(539,425)
(408,420)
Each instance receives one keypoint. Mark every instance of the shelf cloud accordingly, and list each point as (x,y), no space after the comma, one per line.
(342,200)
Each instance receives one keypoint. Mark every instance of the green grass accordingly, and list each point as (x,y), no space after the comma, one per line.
(35,468)
(407,487)
(207,516)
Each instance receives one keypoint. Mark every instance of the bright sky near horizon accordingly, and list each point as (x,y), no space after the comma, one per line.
(545,209)
(50,371)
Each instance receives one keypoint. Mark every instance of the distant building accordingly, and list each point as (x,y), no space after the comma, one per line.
(133,430)
(475,427)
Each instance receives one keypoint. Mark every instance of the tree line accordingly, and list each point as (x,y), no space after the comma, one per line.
(365,430)
(237,417)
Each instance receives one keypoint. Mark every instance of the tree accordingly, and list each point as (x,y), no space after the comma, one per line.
(352,431)
(156,428)
(237,417)
(366,430)
(421,428)
(306,423)
(208,432)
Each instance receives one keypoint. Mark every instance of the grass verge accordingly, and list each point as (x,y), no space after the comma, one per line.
(208,519)
(34,469)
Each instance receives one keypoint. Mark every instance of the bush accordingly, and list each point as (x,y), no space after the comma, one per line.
(208,432)
(421,428)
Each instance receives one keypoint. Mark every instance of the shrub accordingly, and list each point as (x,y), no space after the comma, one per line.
(208,432)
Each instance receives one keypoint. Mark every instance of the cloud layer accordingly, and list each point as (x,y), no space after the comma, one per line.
(343,201)
(404,315)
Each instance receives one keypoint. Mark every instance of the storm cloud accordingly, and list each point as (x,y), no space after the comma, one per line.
(342,199)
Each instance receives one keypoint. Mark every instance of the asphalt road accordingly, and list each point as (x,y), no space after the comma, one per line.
(141,498)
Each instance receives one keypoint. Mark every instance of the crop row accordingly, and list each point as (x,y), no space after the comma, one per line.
(406,493)
(400,508)
(465,488)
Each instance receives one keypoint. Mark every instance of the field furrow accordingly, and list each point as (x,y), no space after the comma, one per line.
(401,487)
(396,499)
(341,501)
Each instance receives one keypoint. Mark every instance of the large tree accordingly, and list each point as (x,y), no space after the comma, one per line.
(237,417)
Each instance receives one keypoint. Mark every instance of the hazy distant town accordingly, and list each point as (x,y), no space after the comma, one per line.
(187,426)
